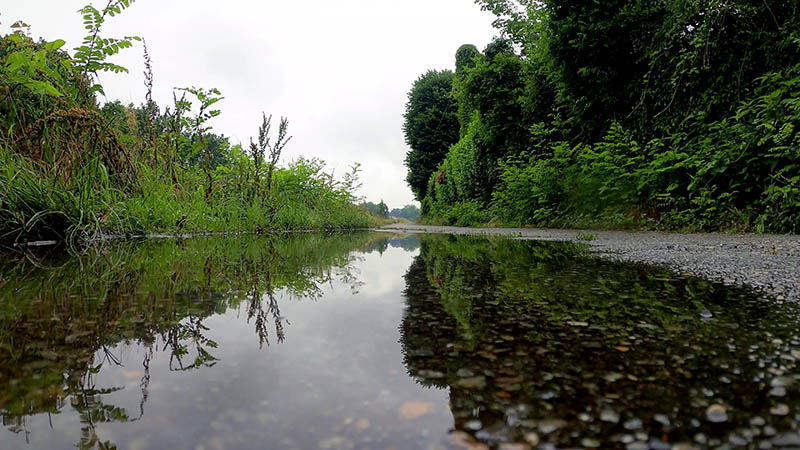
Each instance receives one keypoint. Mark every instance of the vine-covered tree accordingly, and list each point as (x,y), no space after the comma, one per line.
(431,127)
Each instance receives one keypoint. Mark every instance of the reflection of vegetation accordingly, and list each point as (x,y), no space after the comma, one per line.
(521,332)
(551,280)
(59,324)
(406,242)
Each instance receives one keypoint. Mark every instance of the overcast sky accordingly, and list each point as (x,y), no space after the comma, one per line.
(340,70)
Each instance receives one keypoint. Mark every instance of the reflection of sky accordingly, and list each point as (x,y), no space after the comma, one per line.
(338,378)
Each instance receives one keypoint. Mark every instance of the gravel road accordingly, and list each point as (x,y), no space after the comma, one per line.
(767,263)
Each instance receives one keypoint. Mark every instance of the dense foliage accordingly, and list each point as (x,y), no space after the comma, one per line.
(71,168)
(431,127)
(665,114)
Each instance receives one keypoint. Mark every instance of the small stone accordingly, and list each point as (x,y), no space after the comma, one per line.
(640,445)
(779,410)
(473,425)
(531,438)
(662,419)
(465,373)
(430,374)
(657,444)
(548,426)
(633,424)
(758,421)
(421,352)
(737,440)
(717,414)
(474,383)
(781,382)
(462,440)
(613,377)
(779,391)
(684,446)
(787,440)
(49,355)
(590,443)
(514,446)
(609,415)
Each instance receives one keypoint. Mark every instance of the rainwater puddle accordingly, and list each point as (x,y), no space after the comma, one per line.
(379,341)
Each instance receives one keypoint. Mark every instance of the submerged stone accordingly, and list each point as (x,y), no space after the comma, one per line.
(717,414)
(474,383)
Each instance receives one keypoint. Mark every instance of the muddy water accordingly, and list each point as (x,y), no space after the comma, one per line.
(385,341)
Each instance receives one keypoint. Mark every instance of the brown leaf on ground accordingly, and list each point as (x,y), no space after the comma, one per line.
(413,410)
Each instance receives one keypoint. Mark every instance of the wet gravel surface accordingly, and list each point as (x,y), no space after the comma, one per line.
(767,263)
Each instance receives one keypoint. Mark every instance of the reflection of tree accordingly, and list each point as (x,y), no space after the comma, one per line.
(184,336)
(263,316)
(520,332)
(405,242)
(55,341)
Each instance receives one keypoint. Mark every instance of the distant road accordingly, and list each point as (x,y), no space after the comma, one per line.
(769,263)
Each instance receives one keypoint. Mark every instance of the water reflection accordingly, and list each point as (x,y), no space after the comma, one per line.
(369,340)
(59,325)
(538,345)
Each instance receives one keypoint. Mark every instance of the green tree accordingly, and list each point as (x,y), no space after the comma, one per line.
(383,210)
(491,96)
(431,127)
(466,57)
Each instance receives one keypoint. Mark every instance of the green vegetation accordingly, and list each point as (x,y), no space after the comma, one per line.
(559,283)
(408,212)
(674,115)
(431,125)
(75,170)
(378,210)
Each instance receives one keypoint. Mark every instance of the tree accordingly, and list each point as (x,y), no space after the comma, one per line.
(408,212)
(490,97)
(466,56)
(431,127)
(383,210)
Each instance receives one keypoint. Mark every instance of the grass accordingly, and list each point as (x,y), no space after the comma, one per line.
(36,204)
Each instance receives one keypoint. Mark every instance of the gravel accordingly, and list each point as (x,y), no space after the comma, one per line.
(767,263)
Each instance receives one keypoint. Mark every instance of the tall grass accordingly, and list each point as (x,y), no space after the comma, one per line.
(87,206)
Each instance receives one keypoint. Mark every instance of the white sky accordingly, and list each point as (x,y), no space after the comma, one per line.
(340,70)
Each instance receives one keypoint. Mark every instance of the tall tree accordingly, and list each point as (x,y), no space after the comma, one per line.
(431,127)
(383,210)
